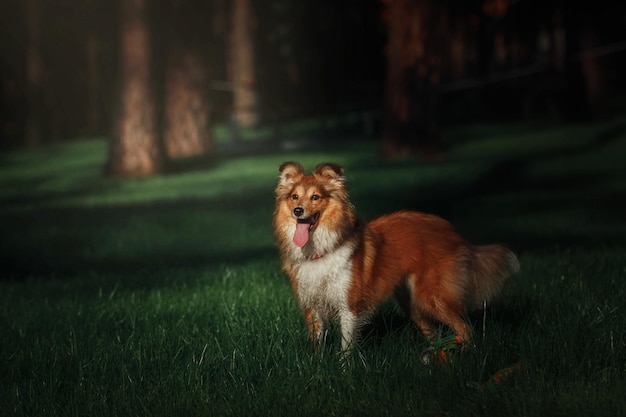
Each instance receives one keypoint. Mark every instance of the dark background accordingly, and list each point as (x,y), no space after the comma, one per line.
(314,59)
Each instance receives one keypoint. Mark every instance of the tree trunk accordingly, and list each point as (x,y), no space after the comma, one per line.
(93,111)
(241,64)
(578,108)
(135,149)
(34,75)
(187,127)
(414,70)
(593,73)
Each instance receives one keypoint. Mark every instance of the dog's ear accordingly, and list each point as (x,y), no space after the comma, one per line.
(290,173)
(330,173)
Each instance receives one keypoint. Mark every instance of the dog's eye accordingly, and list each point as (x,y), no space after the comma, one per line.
(294,196)
(315,197)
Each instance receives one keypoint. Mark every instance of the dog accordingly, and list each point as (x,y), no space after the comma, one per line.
(342,269)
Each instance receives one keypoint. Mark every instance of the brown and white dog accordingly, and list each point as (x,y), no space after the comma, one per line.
(343,269)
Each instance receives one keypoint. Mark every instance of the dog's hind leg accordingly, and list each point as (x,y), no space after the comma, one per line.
(426,325)
(412,305)
(450,315)
(438,303)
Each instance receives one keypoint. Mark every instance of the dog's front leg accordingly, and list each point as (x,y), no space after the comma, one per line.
(348,322)
(315,325)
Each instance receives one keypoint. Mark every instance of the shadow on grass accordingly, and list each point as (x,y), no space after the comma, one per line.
(503,204)
(128,238)
(583,206)
(389,320)
(508,174)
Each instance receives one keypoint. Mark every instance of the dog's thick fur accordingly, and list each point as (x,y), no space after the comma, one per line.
(342,268)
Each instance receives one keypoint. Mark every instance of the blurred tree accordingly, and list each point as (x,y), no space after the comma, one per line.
(187,107)
(92,46)
(135,148)
(583,74)
(93,19)
(321,59)
(241,63)
(187,125)
(104,54)
(416,55)
(34,74)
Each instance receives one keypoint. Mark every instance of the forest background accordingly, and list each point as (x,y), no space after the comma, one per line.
(158,78)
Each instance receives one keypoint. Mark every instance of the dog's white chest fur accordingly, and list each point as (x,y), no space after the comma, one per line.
(323,283)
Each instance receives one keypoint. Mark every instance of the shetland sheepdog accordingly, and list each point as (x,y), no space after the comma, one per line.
(341,268)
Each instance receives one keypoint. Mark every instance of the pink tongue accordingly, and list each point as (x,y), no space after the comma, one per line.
(302,234)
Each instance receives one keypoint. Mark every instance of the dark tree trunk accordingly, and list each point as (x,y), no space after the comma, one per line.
(34,75)
(135,149)
(93,110)
(187,129)
(187,124)
(241,63)
(415,58)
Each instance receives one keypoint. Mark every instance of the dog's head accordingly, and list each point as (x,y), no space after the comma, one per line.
(310,200)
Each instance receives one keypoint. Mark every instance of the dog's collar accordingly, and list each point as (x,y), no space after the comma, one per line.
(315,257)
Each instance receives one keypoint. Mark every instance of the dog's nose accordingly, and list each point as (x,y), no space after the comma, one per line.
(298,211)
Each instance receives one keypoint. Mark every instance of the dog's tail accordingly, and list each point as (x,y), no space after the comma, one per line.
(487,268)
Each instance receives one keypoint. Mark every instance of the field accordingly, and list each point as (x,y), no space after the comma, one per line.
(164,296)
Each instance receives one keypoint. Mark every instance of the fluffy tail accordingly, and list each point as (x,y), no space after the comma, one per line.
(487,268)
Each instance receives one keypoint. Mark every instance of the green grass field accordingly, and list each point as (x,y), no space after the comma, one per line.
(164,296)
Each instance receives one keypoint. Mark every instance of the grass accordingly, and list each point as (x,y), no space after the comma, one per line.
(164,296)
